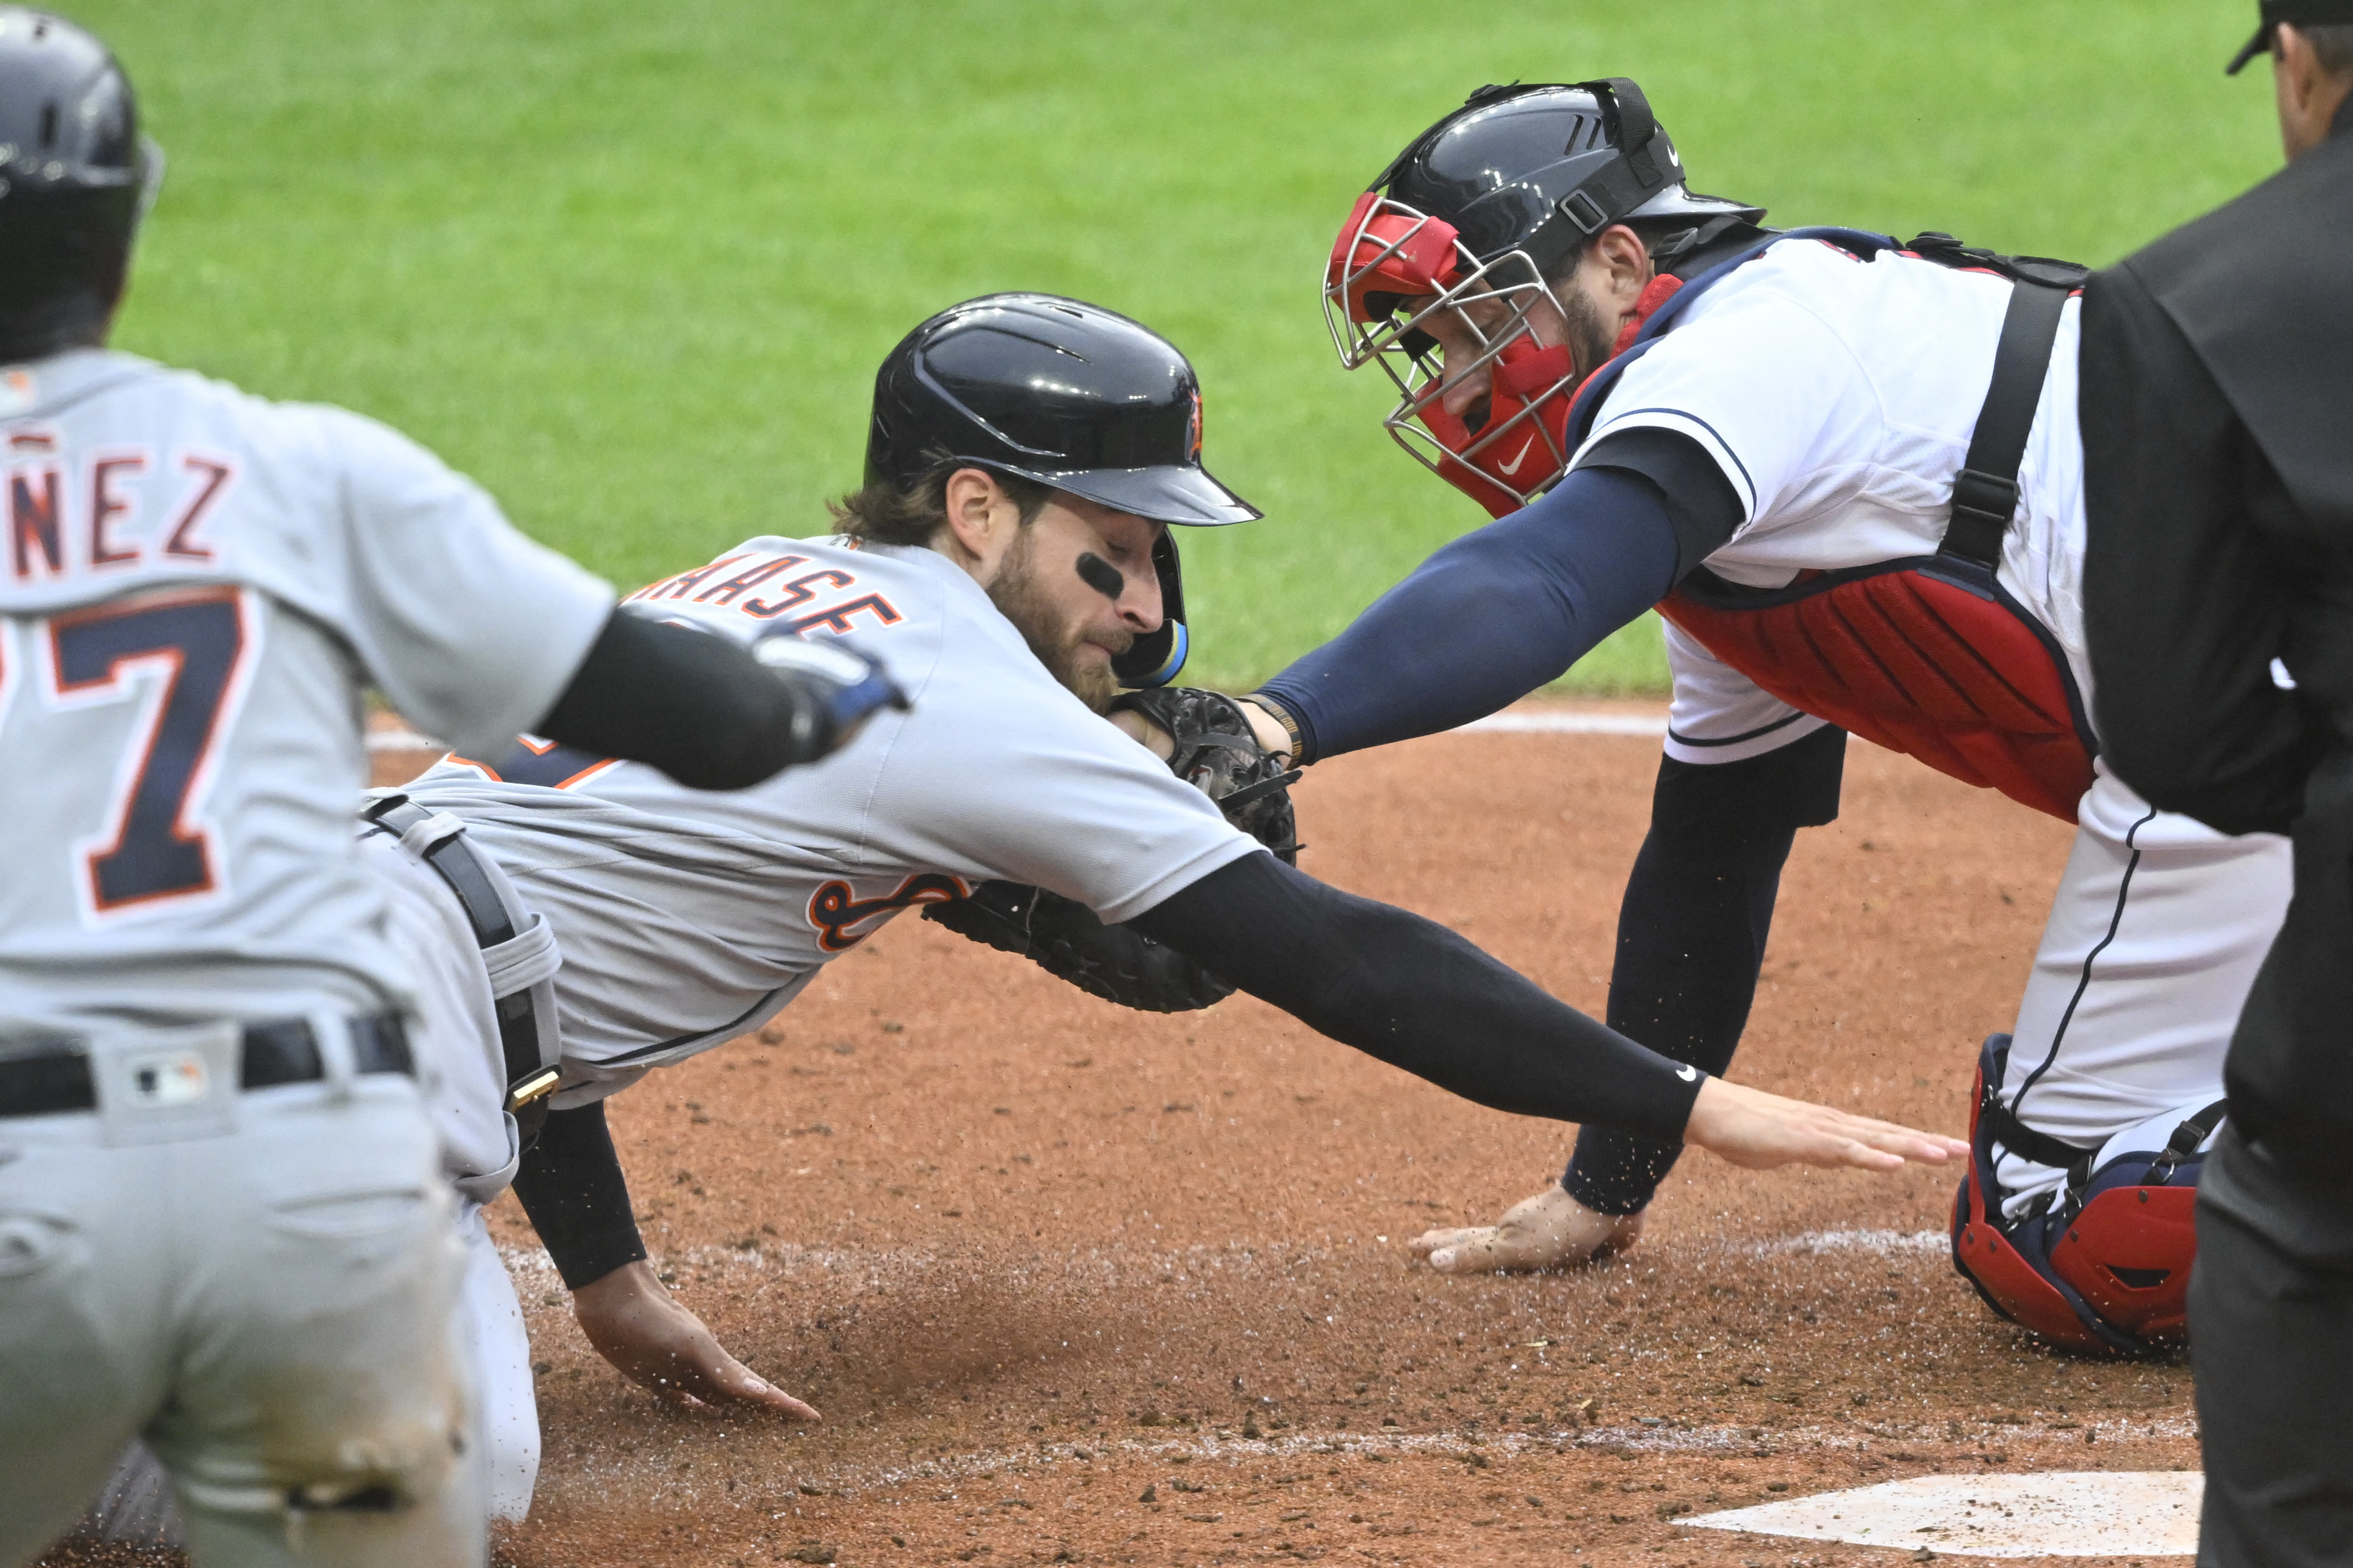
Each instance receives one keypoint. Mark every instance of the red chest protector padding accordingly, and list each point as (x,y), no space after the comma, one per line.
(1928,656)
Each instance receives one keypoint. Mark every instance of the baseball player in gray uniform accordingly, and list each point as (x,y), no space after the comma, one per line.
(222,1223)
(1010,559)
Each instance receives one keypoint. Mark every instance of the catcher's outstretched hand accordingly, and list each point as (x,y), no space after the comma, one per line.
(1759,1130)
(635,1324)
(1550,1230)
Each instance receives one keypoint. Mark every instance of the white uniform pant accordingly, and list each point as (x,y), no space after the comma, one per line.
(262,1285)
(136,1507)
(455,1040)
(460,1058)
(2154,935)
(492,1321)
(459,1049)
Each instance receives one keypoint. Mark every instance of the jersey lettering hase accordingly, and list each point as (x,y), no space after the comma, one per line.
(773,603)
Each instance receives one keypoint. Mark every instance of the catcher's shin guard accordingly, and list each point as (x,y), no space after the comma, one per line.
(2103,1265)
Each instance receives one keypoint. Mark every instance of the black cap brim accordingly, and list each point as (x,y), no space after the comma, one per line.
(2260,43)
(1167,494)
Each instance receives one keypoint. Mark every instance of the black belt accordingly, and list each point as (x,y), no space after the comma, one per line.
(529,1083)
(54,1075)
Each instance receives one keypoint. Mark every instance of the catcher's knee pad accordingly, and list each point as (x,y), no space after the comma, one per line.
(2104,1263)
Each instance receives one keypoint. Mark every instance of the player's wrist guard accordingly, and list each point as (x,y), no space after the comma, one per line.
(1217,754)
(1287,721)
(835,691)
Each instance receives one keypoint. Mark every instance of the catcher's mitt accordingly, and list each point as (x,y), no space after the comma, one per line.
(1215,753)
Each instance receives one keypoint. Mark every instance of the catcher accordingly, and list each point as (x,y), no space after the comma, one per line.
(1847,471)
(1009,560)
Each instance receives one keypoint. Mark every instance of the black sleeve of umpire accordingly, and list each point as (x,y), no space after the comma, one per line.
(571,1186)
(696,705)
(1417,997)
(2187,595)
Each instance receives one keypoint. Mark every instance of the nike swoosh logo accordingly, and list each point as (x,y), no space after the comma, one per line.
(1687,1074)
(1508,469)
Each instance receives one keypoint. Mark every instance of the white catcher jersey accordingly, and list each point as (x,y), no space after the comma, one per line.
(195,587)
(688,916)
(1838,397)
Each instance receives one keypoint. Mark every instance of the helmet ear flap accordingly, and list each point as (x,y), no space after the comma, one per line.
(1154,659)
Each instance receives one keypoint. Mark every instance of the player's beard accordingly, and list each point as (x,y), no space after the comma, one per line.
(1020,598)
(1590,338)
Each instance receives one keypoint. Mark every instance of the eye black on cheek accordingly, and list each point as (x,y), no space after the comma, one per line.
(1100,576)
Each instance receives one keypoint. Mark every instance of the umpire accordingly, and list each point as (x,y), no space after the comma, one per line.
(2217,407)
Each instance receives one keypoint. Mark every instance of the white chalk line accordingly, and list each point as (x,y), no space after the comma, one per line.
(1118,1267)
(402,741)
(1541,721)
(1225,1445)
(1878,1242)
(770,1262)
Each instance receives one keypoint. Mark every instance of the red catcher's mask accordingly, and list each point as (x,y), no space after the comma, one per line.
(1387,254)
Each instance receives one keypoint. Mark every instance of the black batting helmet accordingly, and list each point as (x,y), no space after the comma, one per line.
(74,177)
(1065,395)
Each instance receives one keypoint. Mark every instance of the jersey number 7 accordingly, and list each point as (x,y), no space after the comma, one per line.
(191,645)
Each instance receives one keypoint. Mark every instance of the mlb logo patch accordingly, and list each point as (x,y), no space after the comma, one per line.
(18,391)
(168,1077)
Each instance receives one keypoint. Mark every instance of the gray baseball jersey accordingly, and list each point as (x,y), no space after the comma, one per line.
(688,916)
(195,587)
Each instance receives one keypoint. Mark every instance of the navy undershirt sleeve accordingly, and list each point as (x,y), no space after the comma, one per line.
(1693,928)
(1417,997)
(1501,611)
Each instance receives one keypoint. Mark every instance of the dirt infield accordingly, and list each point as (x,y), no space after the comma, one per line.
(1077,1285)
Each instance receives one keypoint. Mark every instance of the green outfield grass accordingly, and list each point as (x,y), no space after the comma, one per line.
(632,265)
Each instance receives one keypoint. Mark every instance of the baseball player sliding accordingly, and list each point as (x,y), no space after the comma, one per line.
(1847,472)
(1010,558)
(222,1223)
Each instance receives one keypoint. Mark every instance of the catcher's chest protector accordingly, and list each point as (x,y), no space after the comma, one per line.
(1924,655)
(1928,655)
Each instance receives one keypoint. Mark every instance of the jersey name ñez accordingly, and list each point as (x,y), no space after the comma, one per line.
(688,916)
(1838,395)
(195,585)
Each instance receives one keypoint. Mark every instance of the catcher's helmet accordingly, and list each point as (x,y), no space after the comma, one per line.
(1490,203)
(1067,394)
(75,177)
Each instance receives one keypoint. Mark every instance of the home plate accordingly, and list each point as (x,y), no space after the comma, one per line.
(2071,1514)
